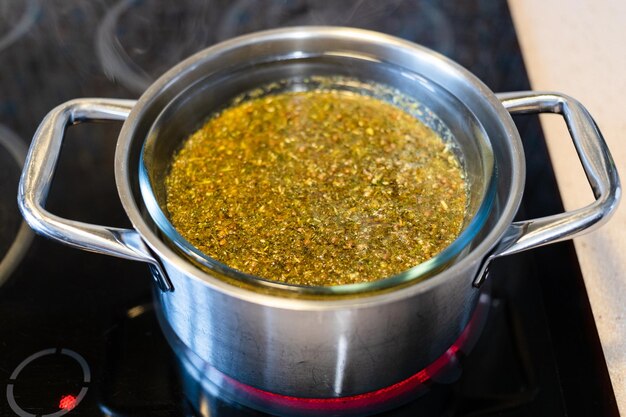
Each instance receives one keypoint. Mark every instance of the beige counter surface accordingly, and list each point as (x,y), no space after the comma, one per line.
(578,47)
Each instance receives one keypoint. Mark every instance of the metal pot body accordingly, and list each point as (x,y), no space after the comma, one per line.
(317,352)
(304,346)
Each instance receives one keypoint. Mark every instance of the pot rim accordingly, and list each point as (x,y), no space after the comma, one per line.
(290,299)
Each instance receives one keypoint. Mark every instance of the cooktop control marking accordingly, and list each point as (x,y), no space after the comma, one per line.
(52,351)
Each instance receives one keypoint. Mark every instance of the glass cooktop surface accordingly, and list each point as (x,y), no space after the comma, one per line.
(79,332)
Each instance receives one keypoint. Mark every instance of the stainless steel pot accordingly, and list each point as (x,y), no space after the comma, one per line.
(303,343)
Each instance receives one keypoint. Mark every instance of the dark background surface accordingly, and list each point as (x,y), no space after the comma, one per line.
(542,356)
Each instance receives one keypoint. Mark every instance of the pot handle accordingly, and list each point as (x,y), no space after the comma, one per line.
(599,169)
(37,177)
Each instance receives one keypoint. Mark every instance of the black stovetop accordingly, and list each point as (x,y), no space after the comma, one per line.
(90,316)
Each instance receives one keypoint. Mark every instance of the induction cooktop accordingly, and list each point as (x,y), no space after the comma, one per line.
(80,335)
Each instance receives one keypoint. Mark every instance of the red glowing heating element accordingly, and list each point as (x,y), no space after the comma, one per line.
(367,400)
(403,389)
(68,402)
(357,401)
(379,400)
